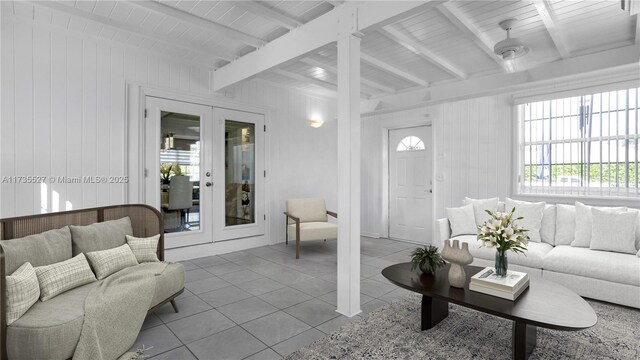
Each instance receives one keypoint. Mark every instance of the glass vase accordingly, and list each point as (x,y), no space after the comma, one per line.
(501,263)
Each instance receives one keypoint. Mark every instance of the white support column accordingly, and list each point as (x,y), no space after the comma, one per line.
(349,175)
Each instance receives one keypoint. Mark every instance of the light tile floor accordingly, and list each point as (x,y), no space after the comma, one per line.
(264,304)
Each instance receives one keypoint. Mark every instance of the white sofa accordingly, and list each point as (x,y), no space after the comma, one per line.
(601,275)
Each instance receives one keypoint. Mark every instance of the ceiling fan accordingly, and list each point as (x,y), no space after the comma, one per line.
(509,48)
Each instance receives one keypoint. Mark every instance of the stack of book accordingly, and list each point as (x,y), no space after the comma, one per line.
(508,287)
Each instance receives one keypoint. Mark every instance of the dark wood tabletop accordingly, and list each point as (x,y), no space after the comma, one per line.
(544,303)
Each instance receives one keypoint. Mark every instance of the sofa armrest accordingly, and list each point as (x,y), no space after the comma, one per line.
(443,232)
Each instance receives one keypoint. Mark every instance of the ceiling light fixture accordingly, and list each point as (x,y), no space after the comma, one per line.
(510,48)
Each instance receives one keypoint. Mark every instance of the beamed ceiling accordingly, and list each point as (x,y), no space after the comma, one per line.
(440,42)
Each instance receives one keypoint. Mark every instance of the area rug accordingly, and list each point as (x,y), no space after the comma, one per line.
(393,332)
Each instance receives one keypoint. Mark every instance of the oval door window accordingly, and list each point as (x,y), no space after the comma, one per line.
(410,143)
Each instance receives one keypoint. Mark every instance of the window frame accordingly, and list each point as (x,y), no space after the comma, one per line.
(623,195)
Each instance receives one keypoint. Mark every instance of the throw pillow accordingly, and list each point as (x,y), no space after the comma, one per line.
(548,229)
(584,223)
(39,249)
(614,231)
(479,207)
(637,211)
(565,224)
(106,262)
(22,292)
(57,278)
(462,220)
(531,214)
(144,249)
(100,236)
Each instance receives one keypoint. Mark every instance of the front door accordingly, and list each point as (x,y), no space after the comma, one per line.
(410,184)
(179,168)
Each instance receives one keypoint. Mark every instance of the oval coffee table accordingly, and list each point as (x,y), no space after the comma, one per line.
(544,303)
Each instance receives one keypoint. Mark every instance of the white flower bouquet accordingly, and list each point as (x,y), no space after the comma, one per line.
(502,232)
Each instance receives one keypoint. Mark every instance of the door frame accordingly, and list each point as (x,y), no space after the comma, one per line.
(384,213)
(135,103)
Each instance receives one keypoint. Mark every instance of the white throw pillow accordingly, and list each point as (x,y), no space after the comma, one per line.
(57,278)
(584,223)
(637,211)
(479,207)
(614,231)
(548,229)
(531,214)
(565,224)
(106,262)
(145,249)
(22,292)
(462,220)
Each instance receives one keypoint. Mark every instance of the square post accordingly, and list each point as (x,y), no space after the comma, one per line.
(349,126)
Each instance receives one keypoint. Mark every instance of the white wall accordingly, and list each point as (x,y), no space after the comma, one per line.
(64,113)
(472,146)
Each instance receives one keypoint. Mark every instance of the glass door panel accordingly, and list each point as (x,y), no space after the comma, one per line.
(240,203)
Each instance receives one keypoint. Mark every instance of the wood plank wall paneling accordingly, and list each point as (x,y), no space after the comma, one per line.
(63,113)
(472,150)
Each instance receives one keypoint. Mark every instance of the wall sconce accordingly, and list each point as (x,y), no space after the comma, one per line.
(315,122)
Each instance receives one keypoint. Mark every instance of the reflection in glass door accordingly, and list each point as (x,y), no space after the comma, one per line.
(241,155)
(178,169)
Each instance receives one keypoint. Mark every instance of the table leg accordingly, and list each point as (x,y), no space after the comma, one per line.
(433,311)
(523,340)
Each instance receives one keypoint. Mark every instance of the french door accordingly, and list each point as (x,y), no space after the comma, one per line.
(204,175)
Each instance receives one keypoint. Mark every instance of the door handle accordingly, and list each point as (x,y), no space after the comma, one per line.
(208,184)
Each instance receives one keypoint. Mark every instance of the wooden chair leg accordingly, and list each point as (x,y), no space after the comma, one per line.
(175,306)
(297,241)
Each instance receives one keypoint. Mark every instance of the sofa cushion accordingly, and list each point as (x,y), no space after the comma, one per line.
(614,231)
(480,206)
(168,283)
(145,249)
(100,236)
(314,231)
(45,248)
(584,223)
(603,265)
(50,329)
(531,214)
(22,292)
(57,278)
(462,220)
(565,224)
(532,258)
(106,262)
(548,229)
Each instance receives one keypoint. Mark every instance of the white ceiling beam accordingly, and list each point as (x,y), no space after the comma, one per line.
(268,13)
(350,17)
(335,3)
(308,79)
(472,32)
(545,11)
(199,22)
(334,70)
(415,47)
(167,39)
(392,69)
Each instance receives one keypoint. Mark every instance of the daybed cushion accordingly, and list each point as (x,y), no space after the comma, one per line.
(534,254)
(100,236)
(107,262)
(145,249)
(57,278)
(45,248)
(314,231)
(50,329)
(168,283)
(603,265)
(22,292)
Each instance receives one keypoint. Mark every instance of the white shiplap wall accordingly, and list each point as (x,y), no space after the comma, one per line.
(64,114)
(472,146)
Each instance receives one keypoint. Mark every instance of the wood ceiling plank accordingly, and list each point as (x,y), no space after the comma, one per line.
(392,69)
(334,70)
(268,13)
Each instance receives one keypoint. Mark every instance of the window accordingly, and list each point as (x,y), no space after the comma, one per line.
(583,145)
(410,143)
